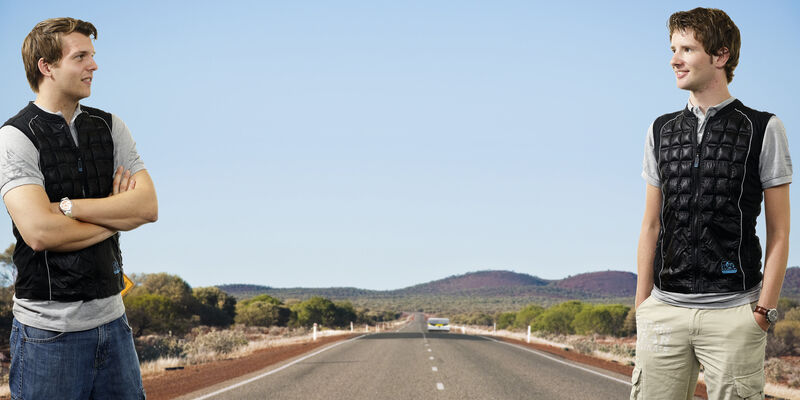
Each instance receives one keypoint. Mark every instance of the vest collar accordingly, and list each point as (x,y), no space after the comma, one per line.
(49,116)
(687,112)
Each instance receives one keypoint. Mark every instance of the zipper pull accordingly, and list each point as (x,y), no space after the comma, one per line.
(696,160)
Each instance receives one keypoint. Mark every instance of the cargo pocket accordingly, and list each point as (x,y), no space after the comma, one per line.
(750,387)
(636,380)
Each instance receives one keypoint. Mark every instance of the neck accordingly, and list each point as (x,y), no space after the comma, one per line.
(713,94)
(55,104)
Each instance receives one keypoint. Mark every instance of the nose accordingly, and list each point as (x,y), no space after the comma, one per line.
(675,60)
(93,65)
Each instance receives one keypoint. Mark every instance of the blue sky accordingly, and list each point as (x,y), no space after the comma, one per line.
(381,144)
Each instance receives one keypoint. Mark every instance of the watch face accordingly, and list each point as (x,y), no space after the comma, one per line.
(772,316)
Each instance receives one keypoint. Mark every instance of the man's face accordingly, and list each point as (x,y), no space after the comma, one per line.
(72,77)
(693,67)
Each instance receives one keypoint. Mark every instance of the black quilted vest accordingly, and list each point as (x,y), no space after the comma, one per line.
(711,197)
(85,171)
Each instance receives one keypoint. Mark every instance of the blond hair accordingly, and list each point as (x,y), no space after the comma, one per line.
(44,42)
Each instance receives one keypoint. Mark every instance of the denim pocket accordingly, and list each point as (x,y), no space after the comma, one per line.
(12,341)
(36,335)
(125,323)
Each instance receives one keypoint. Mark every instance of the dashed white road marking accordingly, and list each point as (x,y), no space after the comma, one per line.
(431,357)
(429,350)
(440,386)
(434,369)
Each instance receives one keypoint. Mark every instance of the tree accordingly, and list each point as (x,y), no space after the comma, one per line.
(604,319)
(153,313)
(629,325)
(793,314)
(262,297)
(317,310)
(788,331)
(527,315)
(558,319)
(506,320)
(171,287)
(261,313)
(345,314)
(214,306)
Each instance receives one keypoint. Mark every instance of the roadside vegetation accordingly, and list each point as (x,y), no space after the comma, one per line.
(608,331)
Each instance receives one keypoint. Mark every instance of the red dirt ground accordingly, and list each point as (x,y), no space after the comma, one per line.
(171,384)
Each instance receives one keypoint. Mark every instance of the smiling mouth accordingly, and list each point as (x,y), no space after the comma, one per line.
(681,74)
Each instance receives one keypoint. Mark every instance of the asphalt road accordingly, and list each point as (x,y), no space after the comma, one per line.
(414,364)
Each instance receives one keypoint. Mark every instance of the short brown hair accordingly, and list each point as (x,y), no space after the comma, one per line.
(714,29)
(44,41)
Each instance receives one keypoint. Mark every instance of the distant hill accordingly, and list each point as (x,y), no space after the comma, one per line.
(791,283)
(475,280)
(605,283)
(488,291)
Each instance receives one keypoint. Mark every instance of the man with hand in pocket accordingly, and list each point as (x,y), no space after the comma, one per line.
(701,296)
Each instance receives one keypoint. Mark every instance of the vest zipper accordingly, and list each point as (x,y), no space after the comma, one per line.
(80,165)
(696,207)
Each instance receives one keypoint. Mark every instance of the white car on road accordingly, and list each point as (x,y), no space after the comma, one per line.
(439,324)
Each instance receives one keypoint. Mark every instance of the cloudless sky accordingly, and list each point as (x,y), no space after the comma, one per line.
(381,144)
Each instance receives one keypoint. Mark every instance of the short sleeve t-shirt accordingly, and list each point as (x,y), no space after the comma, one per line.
(19,165)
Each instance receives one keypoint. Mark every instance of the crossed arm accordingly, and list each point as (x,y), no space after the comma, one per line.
(131,204)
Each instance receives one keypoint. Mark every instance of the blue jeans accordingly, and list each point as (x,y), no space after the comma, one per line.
(100,363)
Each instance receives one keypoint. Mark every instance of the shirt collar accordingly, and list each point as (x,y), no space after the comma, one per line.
(77,112)
(711,110)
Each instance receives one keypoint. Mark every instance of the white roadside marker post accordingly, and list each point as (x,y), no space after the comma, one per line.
(529,333)
(351,326)
(315,331)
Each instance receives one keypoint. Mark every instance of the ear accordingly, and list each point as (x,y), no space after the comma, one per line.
(722,57)
(44,67)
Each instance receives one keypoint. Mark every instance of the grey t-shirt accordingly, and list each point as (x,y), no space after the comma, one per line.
(775,168)
(19,165)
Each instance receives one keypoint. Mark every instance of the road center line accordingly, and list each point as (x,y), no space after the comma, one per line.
(431,358)
(242,383)
(560,361)
(434,369)
(440,386)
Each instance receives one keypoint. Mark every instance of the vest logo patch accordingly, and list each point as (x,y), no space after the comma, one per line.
(115,265)
(729,267)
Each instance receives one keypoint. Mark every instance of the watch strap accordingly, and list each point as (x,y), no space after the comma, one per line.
(770,313)
(761,310)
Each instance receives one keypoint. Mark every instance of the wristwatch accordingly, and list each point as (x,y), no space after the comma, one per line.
(66,207)
(770,313)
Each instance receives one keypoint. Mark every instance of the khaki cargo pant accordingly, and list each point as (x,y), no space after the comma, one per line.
(672,342)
